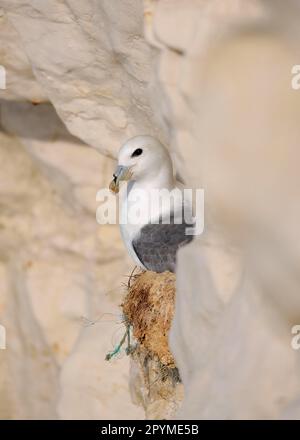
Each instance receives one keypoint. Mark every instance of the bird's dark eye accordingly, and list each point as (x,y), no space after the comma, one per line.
(137,152)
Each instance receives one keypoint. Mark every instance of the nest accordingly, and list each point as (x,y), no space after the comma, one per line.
(149,309)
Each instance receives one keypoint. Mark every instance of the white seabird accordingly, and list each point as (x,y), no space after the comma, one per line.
(146,164)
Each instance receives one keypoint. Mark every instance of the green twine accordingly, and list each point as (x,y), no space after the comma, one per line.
(129,349)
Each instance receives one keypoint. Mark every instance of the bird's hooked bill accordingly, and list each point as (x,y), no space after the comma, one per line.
(121,173)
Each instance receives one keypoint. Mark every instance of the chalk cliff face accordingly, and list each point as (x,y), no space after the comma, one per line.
(92,62)
(88,65)
(236,123)
(212,79)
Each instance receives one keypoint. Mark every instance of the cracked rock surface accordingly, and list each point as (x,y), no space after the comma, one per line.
(211,79)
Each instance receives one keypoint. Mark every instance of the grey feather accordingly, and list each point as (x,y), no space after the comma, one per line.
(157,244)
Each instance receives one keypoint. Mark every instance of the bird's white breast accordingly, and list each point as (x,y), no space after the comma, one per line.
(130,227)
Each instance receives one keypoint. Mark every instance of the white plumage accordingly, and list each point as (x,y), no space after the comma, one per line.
(146,164)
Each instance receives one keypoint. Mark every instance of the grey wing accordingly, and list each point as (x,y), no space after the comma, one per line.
(157,244)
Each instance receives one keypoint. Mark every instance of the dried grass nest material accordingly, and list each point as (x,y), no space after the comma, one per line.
(149,308)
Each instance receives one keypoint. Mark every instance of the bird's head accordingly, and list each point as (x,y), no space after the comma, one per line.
(141,157)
